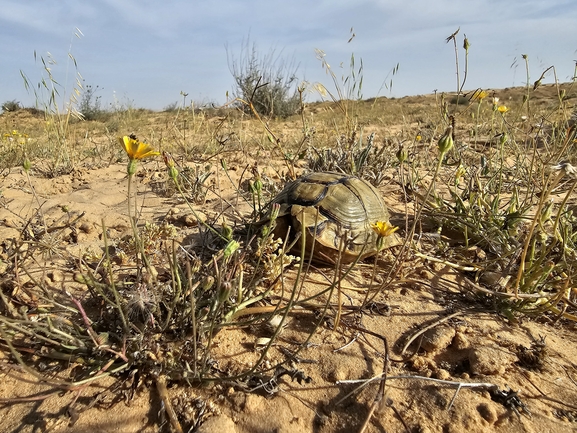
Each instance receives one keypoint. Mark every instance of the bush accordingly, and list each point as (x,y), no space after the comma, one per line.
(268,81)
(13,105)
(89,105)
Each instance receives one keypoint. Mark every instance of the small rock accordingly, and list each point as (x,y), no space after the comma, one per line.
(339,372)
(489,360)
(438,266)
(461,341)
(86,227)
(442,374)
(55,276)
(420,363)
(191,220)
(463,328)
(438,338)
(218,424)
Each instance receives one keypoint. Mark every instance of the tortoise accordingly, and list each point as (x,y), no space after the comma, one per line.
(338,211)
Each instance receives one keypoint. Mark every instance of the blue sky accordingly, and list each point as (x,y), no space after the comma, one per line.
(145,52)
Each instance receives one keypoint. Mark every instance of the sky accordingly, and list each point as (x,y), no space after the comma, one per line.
(144,53)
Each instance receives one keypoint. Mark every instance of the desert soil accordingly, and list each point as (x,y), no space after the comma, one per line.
(468,342)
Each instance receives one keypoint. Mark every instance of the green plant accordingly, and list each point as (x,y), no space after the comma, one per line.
(505,205)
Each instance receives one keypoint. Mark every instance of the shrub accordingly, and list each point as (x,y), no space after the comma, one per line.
(268,82)
(13,105)
(89,105)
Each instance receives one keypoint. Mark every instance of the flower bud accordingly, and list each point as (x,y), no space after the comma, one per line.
(446,142)
(402,154)
(224,292)
(26,165)
(207,283)
(169,162)
(274,212)
(230,248)
(258,184)
(226,231)
(173,173)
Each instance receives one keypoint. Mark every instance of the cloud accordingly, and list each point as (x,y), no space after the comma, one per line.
(44,16)
(150,49)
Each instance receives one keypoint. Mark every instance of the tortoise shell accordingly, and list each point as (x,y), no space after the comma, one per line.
(336,210)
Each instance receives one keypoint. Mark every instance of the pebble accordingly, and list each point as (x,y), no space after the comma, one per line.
(426,274)
(191,220)
(10,222)
(461,341)
(420,362)
(252,402)
(442,374)
(86,227)
(438,338)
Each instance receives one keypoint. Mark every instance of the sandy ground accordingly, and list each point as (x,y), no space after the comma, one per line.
(467,342)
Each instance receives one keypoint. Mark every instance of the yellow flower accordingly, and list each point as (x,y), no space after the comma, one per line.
(419,137)
(460,172)
(502,109)
(383,228)
(479,95)
(136,149)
